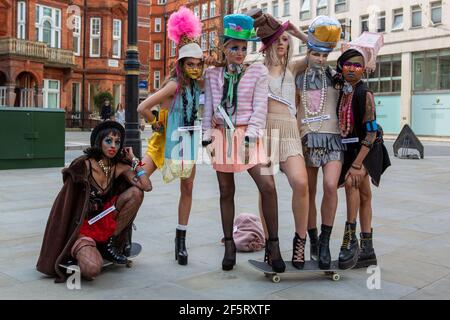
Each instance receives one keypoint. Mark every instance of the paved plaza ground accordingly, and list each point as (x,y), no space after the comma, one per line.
(411,236)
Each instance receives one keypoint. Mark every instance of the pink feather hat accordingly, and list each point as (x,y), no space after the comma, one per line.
(183,28)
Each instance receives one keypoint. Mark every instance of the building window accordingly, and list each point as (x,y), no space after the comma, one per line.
(387,76)
(160,2)
(204,11)
(431,70)
(212,9)
(50,93)
(157,24)
(381,27)
(346,29)
(76,106)
(305,10)
(322,7)
(95,37)
(436,12)
(340,6)
(157,51)
(117,38)
(21,19)
(286,8)
(275,8)
(264,7)
(156,79)
(397,22)
(48,26)
(204,42)
(173,49)
(416,16)
(76,35)
(364,23)
(197,11)
(212,39)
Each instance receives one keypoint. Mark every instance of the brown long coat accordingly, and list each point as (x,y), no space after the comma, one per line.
(65,219)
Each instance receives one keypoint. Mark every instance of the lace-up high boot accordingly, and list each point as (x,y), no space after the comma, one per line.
(349,248)
(367,255)
(298,252)
(110,252)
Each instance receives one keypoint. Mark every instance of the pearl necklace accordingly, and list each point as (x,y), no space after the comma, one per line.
(105,169)
(323,100)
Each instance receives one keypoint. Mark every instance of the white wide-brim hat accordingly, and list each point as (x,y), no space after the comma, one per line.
(191,50)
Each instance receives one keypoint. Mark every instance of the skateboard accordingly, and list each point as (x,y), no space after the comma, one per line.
(136,248)
(310,266)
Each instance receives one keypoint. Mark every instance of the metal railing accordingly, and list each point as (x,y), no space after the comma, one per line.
(81,119)
(33,49)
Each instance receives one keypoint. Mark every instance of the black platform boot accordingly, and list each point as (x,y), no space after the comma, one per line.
(367,255)
(350,248)
(324,247)
(229,258)
(314,244)
(109,251)
(298,252)
(180,247)
(274,256)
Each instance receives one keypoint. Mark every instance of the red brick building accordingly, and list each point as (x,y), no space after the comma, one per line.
(56,55)
(163,51)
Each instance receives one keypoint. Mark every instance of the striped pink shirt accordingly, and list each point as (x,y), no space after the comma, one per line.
(252,99)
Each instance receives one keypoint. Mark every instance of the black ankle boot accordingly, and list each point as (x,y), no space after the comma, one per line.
(298,252)
(324,247)
(274,256)
(110,252)
(314,244)
(350,248)
(180,247)
(367,255)
(229,258)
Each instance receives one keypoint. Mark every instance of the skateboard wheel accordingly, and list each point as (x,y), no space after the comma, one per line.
(276,279)
(336,277)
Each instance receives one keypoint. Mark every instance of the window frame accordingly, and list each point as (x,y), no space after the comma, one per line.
(212,8)
(322,9)
(340,7)
(21,20)
(156,78)
(204,11)
(117,38)
(97,37)
(76,34)
(55,25)
(275,4)
(394,15)
(158,23)
(415,9)
(434,6)
(46,91)
(288,13)
(156,52)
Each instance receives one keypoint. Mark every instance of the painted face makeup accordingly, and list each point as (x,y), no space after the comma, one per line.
(193,68)
(353,69)
(111,145)
(236,51)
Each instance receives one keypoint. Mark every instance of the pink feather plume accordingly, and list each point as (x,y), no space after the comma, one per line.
(183,22)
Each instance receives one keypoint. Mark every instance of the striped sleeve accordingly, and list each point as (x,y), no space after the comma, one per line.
(208,108)
(258,118)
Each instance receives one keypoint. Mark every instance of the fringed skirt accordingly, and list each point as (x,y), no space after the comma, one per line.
(321,148)
(283,137)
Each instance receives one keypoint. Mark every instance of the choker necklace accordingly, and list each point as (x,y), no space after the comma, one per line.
(105,169)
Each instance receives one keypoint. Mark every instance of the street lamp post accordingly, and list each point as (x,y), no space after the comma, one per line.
(132,133)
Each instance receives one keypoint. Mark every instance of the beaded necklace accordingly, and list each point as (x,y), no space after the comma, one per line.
(106,169)
(346,119)
(323,100)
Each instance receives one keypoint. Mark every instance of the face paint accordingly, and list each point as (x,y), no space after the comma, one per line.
(352,72)
(193,73)
(111,145)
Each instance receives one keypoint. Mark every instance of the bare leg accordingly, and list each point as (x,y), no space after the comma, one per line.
(295,170)
(365,209)
(185,203)
(352,198)
(331,173)
(149,165)
(312,187)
